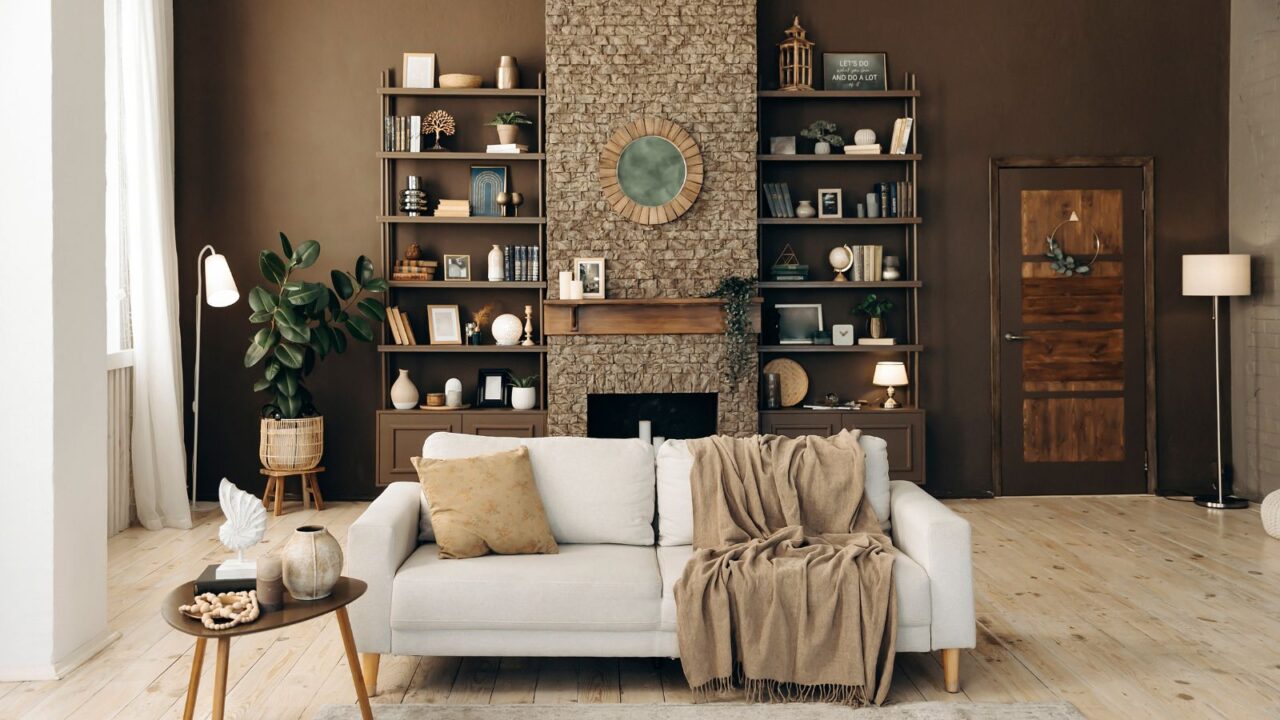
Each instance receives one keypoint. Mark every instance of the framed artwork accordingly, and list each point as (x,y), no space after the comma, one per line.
(486,182)
(782,145)
(855,71)
(457,267)
(493,388)
(591,272)
(419,70)
(443,325)
(798,323)
(830,203)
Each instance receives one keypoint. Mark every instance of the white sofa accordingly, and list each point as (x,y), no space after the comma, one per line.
(608,593)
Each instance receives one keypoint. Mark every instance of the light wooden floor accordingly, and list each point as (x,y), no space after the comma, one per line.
(1129,607)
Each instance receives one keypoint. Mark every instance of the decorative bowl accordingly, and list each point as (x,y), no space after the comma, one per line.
(460,80)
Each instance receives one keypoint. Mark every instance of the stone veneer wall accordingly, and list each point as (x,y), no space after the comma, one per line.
(610,62)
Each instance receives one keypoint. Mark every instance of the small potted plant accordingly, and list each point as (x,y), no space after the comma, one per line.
(823,134)
(874,308)
(524,392)
(508,125)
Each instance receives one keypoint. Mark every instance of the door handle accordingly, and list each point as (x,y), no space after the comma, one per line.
(1010,337)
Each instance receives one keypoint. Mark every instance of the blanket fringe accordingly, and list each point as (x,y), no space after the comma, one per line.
(763,690)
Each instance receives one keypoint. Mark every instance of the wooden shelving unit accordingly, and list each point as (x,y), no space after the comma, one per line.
(433,220)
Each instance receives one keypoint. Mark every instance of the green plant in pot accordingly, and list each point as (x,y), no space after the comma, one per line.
(737,292)
(303,323)
(874,308)
(524,392)
(823,134)
(508,125)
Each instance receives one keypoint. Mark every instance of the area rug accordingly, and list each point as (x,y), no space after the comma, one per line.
(797,711)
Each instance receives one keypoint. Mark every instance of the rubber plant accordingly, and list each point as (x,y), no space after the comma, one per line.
(737,292)
(305,322)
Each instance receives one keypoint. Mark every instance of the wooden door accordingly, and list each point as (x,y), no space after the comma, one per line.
(400,437)
(505,423)
(1071,390)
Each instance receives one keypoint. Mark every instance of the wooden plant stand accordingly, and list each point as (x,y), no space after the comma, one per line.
(274,492)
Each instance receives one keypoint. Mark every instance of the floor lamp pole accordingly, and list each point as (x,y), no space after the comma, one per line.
(1220,501)
(195,402)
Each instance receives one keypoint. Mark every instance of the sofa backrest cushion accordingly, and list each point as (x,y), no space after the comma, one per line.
(593,490)
(675,496)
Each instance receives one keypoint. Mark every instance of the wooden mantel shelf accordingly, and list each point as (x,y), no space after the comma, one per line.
(641,316)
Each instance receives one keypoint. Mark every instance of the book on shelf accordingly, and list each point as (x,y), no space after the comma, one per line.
(901,136)
(507,148)
(872,149)
(415,133)
(406,330)
(393,327)
(876,341)
(453,208)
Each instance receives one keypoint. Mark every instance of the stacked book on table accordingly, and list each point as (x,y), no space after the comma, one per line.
(401,330)
(454,208)
(414,270)
(507,148)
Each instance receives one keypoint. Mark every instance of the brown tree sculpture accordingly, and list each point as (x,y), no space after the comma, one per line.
(438,122)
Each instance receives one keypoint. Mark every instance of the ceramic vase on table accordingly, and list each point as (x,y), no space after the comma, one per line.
(875,327)
(497,271)
(524,398)
(404,394)
(806,210)
(822,147)
(312,563)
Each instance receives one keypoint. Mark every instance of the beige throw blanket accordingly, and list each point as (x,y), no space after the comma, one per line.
(790,589)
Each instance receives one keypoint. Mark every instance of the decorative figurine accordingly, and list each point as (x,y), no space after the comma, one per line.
(246,524)
(440,123)
(528,325)
(795,59)
(517,199)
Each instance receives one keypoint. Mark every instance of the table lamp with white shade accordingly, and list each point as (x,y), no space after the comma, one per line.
(1217,276)
(215,285)
(889,375)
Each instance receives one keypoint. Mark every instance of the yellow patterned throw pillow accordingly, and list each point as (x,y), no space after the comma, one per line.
(485,504)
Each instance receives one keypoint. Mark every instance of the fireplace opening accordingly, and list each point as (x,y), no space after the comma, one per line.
(671,415)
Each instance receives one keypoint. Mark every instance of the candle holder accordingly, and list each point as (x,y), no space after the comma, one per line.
(528,326)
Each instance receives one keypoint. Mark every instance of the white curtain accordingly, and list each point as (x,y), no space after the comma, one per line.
(139,62)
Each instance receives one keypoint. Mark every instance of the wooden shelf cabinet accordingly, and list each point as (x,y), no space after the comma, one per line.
(402,432)
(902,429)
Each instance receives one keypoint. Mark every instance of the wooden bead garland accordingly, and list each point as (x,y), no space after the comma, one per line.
(233,608)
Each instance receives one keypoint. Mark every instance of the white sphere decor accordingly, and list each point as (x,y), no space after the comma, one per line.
(1271,514)
(865,136)
(507,329)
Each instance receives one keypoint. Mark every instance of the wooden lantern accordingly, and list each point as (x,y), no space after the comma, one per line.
(795,59)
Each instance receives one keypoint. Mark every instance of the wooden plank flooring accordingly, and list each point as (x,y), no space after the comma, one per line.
(1126,606)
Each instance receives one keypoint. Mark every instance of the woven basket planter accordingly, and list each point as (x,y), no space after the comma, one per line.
(291,444)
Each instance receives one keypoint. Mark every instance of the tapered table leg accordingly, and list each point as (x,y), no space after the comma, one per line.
(193,685)
(353,662)
(220,678)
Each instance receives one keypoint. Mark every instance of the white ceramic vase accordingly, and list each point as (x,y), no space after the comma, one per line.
(822,148)
(806,210)
(312,563)
(865,136)
(404,394)
(496,270)
(524,398)
(507,329)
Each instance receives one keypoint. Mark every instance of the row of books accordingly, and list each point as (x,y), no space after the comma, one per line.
(401,133)
(522,263)
(414,270)
(401,330)
(778,196)
(896,198)
(868,263)
(453,208)
(901,135)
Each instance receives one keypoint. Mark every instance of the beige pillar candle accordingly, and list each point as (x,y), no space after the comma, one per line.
(270,585)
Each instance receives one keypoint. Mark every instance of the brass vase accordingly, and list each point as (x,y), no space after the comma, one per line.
(875,327)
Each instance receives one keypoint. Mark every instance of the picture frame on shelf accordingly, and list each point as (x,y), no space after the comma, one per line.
(493,388)
(591,272)
(782,145)
(444,326)
(487,182)
(855,71)
(457,267)
(830,203)
(419,70)
(798,323)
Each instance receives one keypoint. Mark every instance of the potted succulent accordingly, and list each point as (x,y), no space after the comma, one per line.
(524,392)
(303,323)
(874,308)
(823,134)
(508,125)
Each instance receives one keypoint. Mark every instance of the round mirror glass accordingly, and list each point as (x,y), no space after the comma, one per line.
(651,171)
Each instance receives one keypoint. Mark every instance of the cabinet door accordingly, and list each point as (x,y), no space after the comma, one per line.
(505,424)
(795,424)
(903,430)
(400,436)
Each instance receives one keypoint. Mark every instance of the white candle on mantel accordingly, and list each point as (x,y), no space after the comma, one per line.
(566,278)
(657,444)
(646,431)
(575,289)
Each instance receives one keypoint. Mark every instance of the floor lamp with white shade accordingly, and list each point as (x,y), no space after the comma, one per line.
(1217,276)
(215,285)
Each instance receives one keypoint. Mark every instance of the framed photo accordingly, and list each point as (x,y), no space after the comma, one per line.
(443,325)
(493,388)
(830,203)
(486,182)
(855,71)
(782,145)
(798,323)
(419,70)
(591,272)
(457,267)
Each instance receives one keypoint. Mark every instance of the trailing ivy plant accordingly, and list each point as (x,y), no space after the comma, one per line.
(305,322)
(737,293)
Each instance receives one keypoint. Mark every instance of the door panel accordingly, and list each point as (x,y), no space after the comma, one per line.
(1071,348)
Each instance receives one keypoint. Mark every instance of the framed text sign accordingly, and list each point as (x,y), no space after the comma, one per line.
(855,71)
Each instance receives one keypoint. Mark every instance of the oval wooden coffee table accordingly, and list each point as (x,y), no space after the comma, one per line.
(294,611)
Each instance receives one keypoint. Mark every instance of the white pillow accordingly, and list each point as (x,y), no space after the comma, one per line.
(593,490)
(675,495)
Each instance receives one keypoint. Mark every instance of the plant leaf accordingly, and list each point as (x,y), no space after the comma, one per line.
(364,269)
(373,309)
(359,328)
(307,294)
(339,340)
(266,337)
(272,266)
(261,384)
(260,299)
(308,360)
(289,355)
(306,254)
(376,285)
(287,384)
(260,317)
(290,406)
(342,284)
(272,368)
(322,340)
(1082,269)
(254,354)
(286,246)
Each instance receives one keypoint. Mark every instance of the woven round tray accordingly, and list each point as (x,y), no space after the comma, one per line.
(793,381)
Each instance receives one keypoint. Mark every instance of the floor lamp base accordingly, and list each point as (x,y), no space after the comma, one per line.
(1227,502)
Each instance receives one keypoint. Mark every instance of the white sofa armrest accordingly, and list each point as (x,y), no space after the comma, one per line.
(378,543)
(931,534)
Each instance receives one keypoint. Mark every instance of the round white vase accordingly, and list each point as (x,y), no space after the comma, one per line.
(496,270)
(507,329)
(523,398)
(806,210)
(822,148)
(312,563)
(404,394)
(865,136)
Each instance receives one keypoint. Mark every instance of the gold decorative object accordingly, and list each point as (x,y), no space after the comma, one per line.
(795,59)
(224,610)
(438,122)
(651,171)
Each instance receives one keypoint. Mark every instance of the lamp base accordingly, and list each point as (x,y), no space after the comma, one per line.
(1228,502)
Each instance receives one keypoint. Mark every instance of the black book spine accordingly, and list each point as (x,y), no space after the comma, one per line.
(507,265)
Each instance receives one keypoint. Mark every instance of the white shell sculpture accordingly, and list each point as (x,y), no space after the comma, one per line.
(246,518)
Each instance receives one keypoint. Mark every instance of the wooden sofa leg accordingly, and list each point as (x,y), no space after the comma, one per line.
(950,669)
(369,667)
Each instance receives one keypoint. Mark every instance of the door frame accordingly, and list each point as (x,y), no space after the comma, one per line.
(1147,164)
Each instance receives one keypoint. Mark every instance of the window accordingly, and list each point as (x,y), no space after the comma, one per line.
(119,327)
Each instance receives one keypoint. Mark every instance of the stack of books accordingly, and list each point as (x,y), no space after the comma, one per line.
(790,271)
(401,330)
(778,195)
(507,148)
(901,134)
(414,270)
(402,134)
(453,208)
(867,262)
(522,263)
(872,149)
(876,341)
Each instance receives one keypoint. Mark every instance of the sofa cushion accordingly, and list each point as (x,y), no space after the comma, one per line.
(675,497)
(593,490)
(584,587)
(910,582)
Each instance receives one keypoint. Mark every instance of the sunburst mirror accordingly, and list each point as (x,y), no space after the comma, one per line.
(651,171)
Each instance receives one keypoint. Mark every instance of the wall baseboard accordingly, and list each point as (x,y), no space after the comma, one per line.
(64,667)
